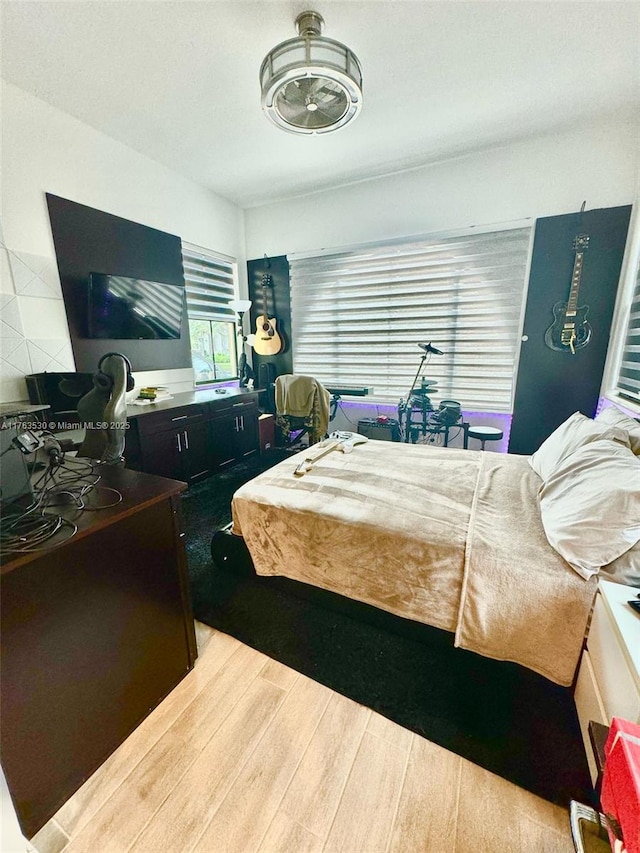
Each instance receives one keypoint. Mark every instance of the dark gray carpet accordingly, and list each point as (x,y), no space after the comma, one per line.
(206,507)
(500,716)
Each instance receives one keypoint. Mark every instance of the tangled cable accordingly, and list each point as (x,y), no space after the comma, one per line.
(64,481)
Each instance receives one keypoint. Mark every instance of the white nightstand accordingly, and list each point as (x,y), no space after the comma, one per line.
(608,682)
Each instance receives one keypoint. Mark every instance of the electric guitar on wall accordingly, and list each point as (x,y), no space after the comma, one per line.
(267,340)
(570,330)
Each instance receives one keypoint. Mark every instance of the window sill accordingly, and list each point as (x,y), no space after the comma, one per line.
(216,383)
(628,406)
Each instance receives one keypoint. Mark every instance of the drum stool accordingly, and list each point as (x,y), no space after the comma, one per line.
(485,433)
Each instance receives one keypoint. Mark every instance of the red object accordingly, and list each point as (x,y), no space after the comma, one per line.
(382,419)
(620,797)
(267,432)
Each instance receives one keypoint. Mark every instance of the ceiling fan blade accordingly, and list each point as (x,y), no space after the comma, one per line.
(306,86)
(330,114)
(293,94)
(304,118)
(329,100)
(315,84)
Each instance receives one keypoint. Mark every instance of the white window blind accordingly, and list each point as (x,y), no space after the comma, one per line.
(210,283)
(629,374)
(358,316)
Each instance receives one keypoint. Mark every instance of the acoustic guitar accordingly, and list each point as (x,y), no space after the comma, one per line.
(570,330)
(267,340)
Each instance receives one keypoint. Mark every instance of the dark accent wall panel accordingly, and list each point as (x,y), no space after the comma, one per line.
(551,385)
(278,306)
(88,240)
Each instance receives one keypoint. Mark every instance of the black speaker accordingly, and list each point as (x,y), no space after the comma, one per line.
(61,392)
(266,374)
(266,380)
(372,428)
(15,486)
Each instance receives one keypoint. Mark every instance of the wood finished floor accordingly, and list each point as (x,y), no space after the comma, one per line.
(247,755)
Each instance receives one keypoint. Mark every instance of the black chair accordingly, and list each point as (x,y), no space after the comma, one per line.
(302,409)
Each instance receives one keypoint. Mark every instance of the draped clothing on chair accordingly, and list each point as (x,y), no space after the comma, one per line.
(302,398)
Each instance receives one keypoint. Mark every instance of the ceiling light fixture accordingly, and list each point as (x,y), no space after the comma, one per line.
(311,84)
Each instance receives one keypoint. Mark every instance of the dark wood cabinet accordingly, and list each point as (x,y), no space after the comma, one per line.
(222,432)
(95,633)
(194,435)
(247,437)
(234,432)
(174,443)
(193,450)
(160,455)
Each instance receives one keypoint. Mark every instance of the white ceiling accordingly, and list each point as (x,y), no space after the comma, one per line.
(178,81)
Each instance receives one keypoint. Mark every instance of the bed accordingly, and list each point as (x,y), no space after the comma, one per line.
(451,538)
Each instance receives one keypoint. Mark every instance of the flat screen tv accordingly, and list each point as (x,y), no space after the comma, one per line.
(133,309)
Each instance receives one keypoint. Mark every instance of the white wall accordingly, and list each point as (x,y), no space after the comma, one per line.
(544,176)
(46,150)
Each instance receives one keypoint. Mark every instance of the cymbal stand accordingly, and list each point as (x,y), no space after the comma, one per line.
(405,409)
(424,356)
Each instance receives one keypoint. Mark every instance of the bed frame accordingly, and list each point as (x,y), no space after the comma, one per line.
(487,698)
(232,560)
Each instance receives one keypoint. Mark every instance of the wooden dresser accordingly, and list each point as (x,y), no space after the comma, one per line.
(95,633)
(608,682)
(193,435)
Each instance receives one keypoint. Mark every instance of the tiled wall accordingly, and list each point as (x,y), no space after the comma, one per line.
(34,335)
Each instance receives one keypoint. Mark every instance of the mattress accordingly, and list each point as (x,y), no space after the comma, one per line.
(448,537)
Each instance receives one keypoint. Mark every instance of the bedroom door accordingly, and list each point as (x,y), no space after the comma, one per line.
(557,377)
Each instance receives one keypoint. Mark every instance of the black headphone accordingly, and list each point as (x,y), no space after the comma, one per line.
(105,382)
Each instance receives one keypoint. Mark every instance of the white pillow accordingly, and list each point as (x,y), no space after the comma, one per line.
(612,416)
(590,505)
(625,569)
(576,431)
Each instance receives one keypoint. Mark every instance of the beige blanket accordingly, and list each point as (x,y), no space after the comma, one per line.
(448,537)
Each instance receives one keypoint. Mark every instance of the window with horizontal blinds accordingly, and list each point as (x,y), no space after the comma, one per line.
(358,316)
(629,374)
(210,281)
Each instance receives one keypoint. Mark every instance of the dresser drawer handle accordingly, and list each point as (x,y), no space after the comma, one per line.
(180,418)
